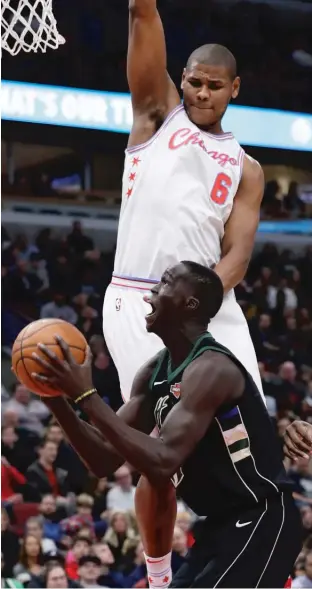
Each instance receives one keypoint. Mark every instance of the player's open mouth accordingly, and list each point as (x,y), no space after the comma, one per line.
(149,317)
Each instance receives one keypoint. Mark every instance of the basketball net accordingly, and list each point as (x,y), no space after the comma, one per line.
(28,25)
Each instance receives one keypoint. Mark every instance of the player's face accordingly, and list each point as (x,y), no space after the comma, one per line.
(207,91)
(170,299)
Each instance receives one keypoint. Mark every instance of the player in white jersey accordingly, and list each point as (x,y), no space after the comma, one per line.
(189,192)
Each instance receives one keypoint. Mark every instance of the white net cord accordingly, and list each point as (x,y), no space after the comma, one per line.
(28,25)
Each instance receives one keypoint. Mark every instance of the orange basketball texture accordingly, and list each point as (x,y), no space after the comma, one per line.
(44,331)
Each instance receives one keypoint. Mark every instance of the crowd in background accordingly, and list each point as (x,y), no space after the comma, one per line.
(277,204)
(257,33)
(61,527)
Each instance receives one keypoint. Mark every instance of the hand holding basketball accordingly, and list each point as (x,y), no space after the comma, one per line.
(26,344)
(64,375)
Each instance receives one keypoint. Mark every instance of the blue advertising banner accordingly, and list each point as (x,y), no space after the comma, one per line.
(109,111)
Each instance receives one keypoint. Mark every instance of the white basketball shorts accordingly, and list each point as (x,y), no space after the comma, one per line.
(130,345)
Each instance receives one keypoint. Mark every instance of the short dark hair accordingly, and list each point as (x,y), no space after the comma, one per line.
(89,558)
(208,287)
(81,539)
(49,567)
(46,441)
(214,54)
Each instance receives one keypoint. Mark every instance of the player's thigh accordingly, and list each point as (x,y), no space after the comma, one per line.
(260,554)
(129,344)
(230,329)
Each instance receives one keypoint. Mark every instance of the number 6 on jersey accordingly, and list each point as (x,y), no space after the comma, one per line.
(221,188)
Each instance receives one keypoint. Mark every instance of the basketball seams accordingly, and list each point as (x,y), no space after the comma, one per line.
(24,357)
(51,345)
(22,360)
(56,322)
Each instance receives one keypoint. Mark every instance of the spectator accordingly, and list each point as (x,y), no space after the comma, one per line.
(55,577)
(7,582)
(22,248)
(80,547)
(99,511)
(81,519)
(89,571)
(34,527)
(50,512)
(17,451)
(88,322)
(120,537)
(282,295)
(265,341)
(37,266)
(11,482)
(44,478)
(121,496)
(286,390)
(138,575)
(77,241)
(31,412)
(300,473)
(23,285)
(104,374)
(306,516)
(30,561)
(9,545)
(67,459)
(184,522)
(305,580)
(292,203)
(59,309)
(179,548)
(61,273)
(108,577)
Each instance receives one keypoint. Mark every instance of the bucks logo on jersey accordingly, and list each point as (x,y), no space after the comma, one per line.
(162,408)
(175,389)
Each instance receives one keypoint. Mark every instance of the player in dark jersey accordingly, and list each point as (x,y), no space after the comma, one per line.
(216,443)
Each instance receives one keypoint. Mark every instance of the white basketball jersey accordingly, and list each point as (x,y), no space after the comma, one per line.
(178,192)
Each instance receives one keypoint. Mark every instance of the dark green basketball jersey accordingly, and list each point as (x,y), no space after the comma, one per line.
(238,462)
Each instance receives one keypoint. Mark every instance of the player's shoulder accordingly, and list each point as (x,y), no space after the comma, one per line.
(144,375)
(252,168)
(213,368)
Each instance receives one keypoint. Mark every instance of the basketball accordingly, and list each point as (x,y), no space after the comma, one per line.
(44,331)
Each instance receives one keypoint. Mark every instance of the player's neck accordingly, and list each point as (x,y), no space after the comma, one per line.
(180,343)
(214,129)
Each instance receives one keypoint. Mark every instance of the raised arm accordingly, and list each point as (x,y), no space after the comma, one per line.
(241,228)
(153,93)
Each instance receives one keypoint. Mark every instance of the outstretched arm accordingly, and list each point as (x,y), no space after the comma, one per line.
(241,228)
(152,91)
(209,382)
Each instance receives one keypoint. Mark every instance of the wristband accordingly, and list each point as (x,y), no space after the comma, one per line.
(85,395)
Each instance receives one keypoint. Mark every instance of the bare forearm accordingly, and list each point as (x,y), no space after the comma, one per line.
(232,269)
(144,453)
(96,453)
(142,7)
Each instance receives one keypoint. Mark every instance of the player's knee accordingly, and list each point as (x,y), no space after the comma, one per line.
(150,499)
